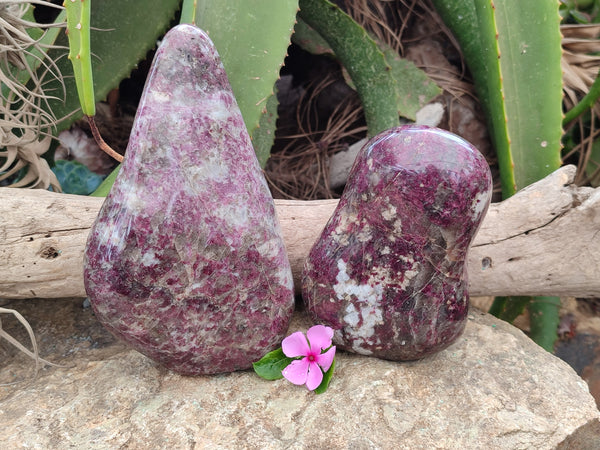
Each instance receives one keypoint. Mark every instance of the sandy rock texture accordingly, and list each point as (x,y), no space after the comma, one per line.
(492,388)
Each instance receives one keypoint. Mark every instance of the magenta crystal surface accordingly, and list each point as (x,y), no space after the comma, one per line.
(185,261)
(388,272)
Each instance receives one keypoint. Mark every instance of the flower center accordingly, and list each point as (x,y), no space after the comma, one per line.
(311,358)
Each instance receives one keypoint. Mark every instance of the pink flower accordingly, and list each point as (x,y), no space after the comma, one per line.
(307,370)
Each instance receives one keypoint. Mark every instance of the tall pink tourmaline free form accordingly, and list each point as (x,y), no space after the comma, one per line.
(185,261)
(388,273)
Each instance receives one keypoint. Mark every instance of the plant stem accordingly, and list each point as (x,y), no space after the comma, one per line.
(543,312)
(586,102)
(103,145)
(78,32)
(509,308)
(361,57)
(188,11)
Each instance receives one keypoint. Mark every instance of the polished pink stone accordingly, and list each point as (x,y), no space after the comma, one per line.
(185,261)
(388,272)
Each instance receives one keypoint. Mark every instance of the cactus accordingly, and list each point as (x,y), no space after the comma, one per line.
(514,52)
(78,31)
(362,58)
(121,35)
(414,89)
(252,38)
(514,55)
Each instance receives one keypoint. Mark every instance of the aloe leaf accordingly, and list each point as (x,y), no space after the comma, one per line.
(252,37)
(78,32)
(414,89)
(308,39)
(188,11)
(530,65)
(544,318)
(121,36)
(361,57)
(529,70)
(264,135)
(509,308)
(513,50)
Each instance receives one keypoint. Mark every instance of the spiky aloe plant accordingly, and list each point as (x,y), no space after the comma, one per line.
(252,57)
(513,50)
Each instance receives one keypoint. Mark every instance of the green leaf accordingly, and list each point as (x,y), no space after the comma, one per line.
(264,135)
(544,313)
(513,50)
(529,41)
(78,32)
(270,366)
(308,39)
(326,379)
(121,36)
(188,11)
(361,57)
(252,37)
(585,103)
(106,185)
(414,89)
(509,308)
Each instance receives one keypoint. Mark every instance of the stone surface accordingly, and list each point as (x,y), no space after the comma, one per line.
(341,163)
(492,389)
(388,273)
(185,261)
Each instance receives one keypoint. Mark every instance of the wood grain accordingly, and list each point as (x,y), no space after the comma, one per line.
(545,240)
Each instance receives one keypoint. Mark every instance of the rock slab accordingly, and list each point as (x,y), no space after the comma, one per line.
(493,388)
(185,261)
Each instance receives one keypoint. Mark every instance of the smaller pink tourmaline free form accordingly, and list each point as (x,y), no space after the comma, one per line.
(185,261)
(388,272)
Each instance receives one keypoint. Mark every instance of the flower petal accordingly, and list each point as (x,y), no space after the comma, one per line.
(319,337)
(315,376)
(295,345)
(297,371)
(326,359)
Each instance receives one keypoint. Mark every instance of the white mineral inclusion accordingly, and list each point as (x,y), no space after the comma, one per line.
(160,96)
(340,234)
(369,296)
(480,202)
(149,259)
(365,233)
(389,213)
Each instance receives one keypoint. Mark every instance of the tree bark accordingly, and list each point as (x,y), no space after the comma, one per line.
(545,240)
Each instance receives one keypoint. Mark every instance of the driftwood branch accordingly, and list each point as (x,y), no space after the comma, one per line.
(543,241)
